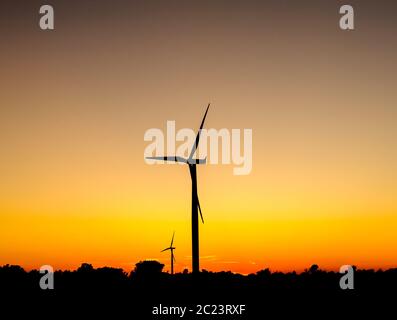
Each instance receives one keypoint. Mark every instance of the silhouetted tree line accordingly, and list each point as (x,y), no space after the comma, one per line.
(96,289)
(150,273)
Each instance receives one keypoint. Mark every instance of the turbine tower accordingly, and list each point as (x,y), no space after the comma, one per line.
(192,162)
(171,248)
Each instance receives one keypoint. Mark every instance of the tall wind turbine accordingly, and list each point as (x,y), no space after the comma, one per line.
(192,162)
(171,248)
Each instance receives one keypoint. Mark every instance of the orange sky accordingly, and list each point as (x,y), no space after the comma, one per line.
(76,102)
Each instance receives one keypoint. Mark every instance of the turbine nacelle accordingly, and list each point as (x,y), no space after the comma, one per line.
(170,248)
(179,159)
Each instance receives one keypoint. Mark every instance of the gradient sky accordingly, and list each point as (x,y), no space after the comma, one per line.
(76,102)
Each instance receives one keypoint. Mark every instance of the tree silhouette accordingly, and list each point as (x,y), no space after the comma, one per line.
(313,268)
(147,286)
(85,267)
(148,268)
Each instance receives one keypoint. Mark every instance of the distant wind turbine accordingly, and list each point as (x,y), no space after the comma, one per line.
(171,248)
(195,200)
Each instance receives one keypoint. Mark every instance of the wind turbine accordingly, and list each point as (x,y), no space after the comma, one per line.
(192,162)
(171,248)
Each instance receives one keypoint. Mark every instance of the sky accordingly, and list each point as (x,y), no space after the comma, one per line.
(77,101)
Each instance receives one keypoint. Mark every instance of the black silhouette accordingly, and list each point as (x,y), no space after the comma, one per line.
(195,200)
(171,248)
(135,294)
(148,267)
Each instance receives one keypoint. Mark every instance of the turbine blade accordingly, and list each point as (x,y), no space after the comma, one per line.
(201,215)
(165,249)
(172,241)
(173,257)
(198,135)
(169,158)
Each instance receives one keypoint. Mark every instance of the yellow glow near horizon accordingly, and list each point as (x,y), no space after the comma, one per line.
(240,246)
